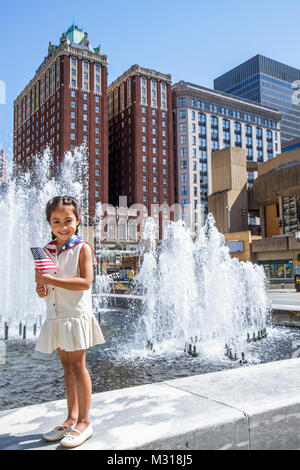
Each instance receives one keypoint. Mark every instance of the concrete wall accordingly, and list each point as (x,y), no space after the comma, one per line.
(270,244)
(246,238)
(282,159)
(229,188)
(284,182)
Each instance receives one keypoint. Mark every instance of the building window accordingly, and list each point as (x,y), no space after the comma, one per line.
(184,165)
(184,190)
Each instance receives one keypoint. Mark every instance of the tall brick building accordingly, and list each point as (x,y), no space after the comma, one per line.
(141,157)
(65,105)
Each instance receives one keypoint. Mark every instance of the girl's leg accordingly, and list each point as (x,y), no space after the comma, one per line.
(70,385)
(83,387)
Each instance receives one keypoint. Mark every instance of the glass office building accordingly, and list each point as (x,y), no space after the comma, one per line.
(269,83)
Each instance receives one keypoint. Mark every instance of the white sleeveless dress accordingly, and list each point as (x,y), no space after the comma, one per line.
(70,324)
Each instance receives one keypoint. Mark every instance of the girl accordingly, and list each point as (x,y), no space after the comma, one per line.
(70,327)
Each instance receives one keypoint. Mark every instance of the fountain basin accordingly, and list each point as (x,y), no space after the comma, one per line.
(28,377)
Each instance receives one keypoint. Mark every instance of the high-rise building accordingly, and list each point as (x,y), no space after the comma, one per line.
(65,105)
(206,120)
(269,83)
(141,158)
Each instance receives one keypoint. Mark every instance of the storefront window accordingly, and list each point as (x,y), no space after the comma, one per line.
(289,271)
(278,269)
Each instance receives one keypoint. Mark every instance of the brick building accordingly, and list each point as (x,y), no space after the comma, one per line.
(141,158)
(65,105)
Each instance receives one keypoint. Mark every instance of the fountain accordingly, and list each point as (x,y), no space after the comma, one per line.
(196,296)
(23,224)
(201,310)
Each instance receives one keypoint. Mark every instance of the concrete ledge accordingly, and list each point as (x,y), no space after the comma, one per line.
(285,317)
(123,300)
(253,407)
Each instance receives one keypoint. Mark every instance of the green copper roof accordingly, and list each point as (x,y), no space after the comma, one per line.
(75,34)
(72,28)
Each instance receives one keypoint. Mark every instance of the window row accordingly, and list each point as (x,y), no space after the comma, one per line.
(84,138)
(84,127)
(85,117)
(154,189)
(214,108)
(154,141)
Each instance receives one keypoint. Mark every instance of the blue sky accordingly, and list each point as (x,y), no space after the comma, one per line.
(193,40)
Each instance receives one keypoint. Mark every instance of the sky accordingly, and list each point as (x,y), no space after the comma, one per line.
(193,40)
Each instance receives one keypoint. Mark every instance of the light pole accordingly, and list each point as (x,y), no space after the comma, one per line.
(228,217)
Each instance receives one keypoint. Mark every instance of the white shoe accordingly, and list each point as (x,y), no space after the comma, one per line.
(70,440)
(57,433)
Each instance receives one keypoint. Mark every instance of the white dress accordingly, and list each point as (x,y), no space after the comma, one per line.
(70,324)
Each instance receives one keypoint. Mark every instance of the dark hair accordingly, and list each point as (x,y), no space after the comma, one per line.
(59,201)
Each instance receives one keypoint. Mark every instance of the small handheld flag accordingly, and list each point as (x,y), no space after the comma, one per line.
(41,259)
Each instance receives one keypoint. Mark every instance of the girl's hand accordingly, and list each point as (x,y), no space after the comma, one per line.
(42,278)
(41,290)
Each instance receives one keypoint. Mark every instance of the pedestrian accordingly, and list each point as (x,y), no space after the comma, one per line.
(131,277)
(70,327)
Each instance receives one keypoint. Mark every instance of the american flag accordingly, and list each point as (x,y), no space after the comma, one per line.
(41,259)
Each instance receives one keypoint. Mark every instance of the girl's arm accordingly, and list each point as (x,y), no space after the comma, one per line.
(73,283)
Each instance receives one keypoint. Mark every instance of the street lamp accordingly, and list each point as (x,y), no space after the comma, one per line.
(228,217)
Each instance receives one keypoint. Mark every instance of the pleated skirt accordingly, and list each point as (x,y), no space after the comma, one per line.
(69,333)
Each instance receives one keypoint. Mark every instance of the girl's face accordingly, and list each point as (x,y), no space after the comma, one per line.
(63,222)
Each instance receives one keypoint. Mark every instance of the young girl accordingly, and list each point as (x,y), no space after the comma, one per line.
(71,327)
